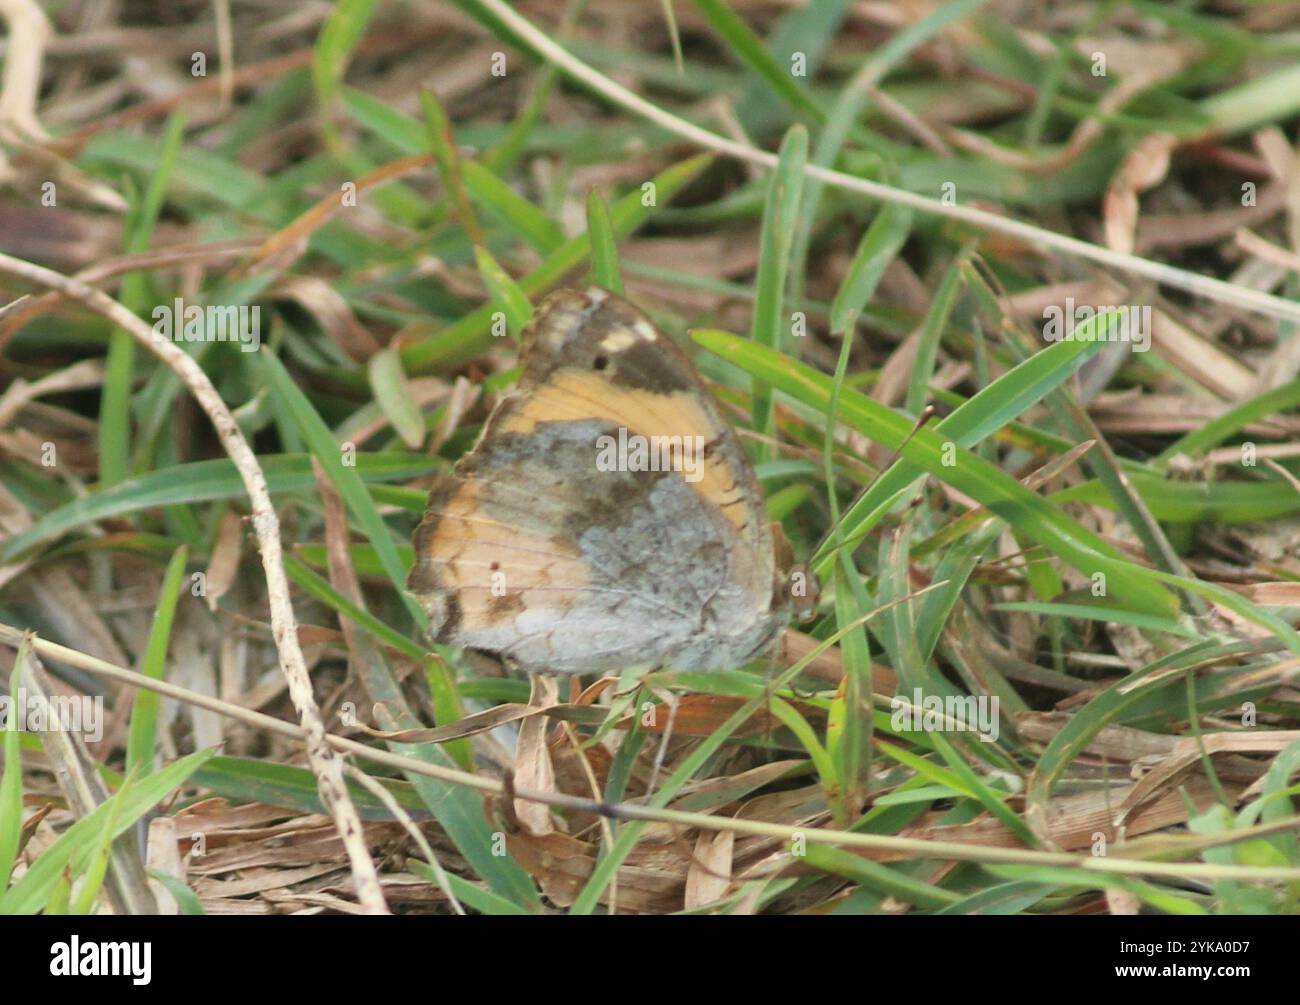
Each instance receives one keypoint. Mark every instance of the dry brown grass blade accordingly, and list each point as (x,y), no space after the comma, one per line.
(162,854)
(487,720)
(902,847)
(1189,752)
(77,773)
(343,578)
(1143,167)
(20,394)
(1077,821)
(20,88)
(709,875)
(416,835)
(827,665)
(1114,743)
(223,565)
(243,78)
(281,249)
(331,311)
(702,714)
(1200,358)
(14,519)
(532,766)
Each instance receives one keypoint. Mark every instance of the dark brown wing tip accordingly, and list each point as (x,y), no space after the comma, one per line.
(422,580)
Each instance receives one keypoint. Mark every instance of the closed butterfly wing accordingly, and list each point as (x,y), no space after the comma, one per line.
(607,516)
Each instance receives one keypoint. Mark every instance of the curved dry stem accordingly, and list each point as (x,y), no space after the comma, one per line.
(414,832)
(324,762)
(1191,282)
(1122,859)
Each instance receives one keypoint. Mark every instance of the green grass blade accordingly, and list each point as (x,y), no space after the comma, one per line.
(445,152)
(246,779)
(11,781)
(994,802)
(804,733)
(92,880)
(388,382)
(202,481)
(882,879)
(505,294)
(936,321)
(1233,421)
(800,41)
(953,571)
(142,737)
(481,900)
(326,449)
(1081,879)
(848,111)
(114,437)
(186,899)
(769,324)
(29,894)
(1003,495)
(879,246)
(339,36)
(484,185)
(848,732)
(630,833)
(978,417)
(750,49)
(433,349)
(1107,615)
(512,210)
(604,248)
(318,588)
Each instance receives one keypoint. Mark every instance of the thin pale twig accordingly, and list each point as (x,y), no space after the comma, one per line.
(1191,282)
(325,764)
(1116,862)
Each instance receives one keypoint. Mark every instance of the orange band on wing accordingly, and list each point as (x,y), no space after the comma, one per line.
(574,396)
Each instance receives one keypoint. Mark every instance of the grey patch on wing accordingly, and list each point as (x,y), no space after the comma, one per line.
(670,582)
(568,330)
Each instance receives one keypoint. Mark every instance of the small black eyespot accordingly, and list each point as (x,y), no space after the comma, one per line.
(600,362)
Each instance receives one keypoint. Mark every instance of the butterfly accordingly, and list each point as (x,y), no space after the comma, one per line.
(607,517)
